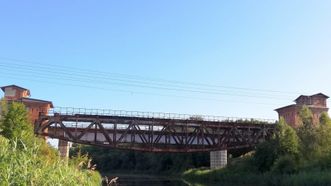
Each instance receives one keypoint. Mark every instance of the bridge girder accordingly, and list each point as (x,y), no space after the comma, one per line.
(153,134)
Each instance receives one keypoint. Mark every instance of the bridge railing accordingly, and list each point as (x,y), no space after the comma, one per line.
(159,115)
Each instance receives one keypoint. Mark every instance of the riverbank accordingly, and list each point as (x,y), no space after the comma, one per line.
(243,171)
(30,166)
(224,177)
(300,156)
(28,160)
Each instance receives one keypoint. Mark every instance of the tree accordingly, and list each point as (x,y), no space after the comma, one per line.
(324,133)
(285,164)
(324,140)
(15,123)
(309,135)
(325,119)
(287,139)
(306,117)
(285,142)
(265,155)
(3,112)
(287,145)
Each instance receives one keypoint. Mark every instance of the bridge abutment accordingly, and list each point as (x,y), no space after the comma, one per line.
(63,148)
(218,159)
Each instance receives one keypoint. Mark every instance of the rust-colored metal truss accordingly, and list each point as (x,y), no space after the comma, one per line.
(154,134)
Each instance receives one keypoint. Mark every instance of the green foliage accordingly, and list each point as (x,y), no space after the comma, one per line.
(253,121)
(80,160)
(325,119)
(286,164)
(307,134)
(290,157)
(315,139)
(28,160)
(285,142)
(3,109)
(111,160)
(15,123)
(324,139)
(26,167)
(222,177)
(265,155)
(286,139)
(243,164)
(306,117)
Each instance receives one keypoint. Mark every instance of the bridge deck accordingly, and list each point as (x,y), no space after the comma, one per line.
(155,132)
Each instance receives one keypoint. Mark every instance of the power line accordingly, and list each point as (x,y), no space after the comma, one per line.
(76,77)
(117,79)
(139,78)
(105,82)
(35,79)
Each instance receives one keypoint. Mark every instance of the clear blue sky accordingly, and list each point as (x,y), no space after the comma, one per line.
(89,53)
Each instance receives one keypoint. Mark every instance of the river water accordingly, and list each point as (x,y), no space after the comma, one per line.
(143,180)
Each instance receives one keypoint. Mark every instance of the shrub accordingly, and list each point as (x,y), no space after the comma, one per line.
(28,160)
(285,165)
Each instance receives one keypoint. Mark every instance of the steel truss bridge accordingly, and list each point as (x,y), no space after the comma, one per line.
(151,131)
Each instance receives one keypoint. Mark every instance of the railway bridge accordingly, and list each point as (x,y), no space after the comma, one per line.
(153,132)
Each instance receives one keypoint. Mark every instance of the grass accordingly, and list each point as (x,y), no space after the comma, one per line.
(240,171)
(26,166)
(226,177)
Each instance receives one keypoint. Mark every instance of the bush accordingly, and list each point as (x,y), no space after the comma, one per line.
(26,167)
(28,160)
(265,156)
(290,157)
(285,165)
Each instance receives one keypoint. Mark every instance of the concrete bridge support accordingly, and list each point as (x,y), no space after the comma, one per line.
(64,148)
(218,159)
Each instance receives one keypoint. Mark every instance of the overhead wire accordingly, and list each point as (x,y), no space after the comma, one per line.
(135,82)
(36,79)
(121,90)
(132,77)
(68,78)
(45,71)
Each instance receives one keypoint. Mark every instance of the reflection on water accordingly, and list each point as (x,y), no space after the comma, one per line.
(134,180)
(146,180)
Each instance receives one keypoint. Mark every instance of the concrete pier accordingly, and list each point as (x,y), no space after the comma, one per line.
(64,148)
(218,159)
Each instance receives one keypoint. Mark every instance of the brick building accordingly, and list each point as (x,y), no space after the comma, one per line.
(20,94)
(316,103)
(34,107)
